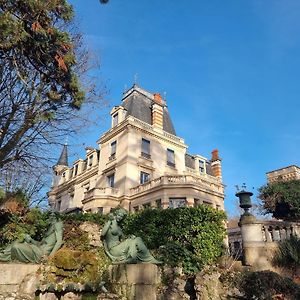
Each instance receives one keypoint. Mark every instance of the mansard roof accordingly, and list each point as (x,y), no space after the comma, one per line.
(138,103)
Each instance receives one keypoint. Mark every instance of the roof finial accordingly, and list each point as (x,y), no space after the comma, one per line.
(66,140)
(165,95)
(135,78)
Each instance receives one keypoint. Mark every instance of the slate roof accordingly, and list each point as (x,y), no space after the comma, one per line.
(63,159)
(208,169)
(189,161)
(138,103)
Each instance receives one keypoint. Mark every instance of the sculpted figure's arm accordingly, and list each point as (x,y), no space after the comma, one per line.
(30,240)
(59,238)
(105,229)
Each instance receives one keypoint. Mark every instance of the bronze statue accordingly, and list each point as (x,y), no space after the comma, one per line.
(34,251)
(124,251)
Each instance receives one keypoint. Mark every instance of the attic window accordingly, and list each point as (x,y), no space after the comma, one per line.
(115,119)
(201,166)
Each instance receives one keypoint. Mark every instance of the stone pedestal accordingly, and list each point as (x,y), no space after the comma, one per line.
(135,281)
(12,276)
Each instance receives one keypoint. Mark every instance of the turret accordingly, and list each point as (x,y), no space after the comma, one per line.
(61,166)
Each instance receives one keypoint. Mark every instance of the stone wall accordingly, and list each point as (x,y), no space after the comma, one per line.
(18,281)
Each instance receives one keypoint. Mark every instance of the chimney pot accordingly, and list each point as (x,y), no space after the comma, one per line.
(157,98)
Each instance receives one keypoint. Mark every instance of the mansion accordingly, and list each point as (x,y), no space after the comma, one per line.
(140,163)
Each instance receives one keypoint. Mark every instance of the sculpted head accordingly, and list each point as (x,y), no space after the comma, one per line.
(120,214)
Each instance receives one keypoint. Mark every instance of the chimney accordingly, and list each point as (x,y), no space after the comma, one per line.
(157,111)
(216,164)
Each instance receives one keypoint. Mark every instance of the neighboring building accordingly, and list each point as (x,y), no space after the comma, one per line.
(284,174)
(141,162)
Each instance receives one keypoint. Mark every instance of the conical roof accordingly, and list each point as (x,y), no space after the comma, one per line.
(63,159)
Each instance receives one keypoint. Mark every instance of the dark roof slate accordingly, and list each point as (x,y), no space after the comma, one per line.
(139,106)
(208,169)
(189,161)
(63,159)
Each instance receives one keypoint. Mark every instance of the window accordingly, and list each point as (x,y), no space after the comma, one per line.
(111,180)
(145,148)
(90,160)
(207,203)
(76,170)
(170,158)
(115,119)
(158,203)
(100,210)
(146,205)
(177,202)
(135,208)
(196,202)
(58,205)
(113,146)
(201,166)
(144,177)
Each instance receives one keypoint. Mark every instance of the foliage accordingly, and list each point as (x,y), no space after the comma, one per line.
(44,81)
(282,199)
(17,195)
(86,217)
(288,254)
(34,222)
(185,237)
(265,284)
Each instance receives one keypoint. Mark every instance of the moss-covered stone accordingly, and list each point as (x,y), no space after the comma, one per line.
(80,267)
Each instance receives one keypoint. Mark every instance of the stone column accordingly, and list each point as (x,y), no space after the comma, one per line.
(252,239)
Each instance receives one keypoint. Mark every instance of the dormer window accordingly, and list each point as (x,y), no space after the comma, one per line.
(75,170)
(201,166)
(91,160)
(115,119)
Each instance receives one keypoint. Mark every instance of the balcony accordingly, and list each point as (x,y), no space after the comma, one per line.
(173,180)
(100,193)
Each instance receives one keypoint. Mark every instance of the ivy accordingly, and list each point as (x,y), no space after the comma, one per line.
(184,237)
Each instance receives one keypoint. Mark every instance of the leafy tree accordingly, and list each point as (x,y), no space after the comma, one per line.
(43,77)
(187,237)
(281,199)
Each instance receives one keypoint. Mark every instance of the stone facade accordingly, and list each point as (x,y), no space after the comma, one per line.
(285,174)
(140,162)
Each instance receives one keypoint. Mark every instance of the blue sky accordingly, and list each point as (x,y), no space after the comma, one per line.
(230,70)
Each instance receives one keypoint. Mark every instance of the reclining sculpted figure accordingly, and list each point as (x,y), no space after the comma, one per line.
(34,251)
(129,251)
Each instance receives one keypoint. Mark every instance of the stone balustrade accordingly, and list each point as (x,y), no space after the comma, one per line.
(98,192)
(205,182)
(276,231)
(260,239)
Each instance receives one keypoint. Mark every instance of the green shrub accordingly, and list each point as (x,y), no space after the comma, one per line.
(187,237)
(288,254)
(34,222)
(264,285)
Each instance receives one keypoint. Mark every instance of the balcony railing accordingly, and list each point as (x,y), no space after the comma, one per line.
(100,192)
(177,179)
